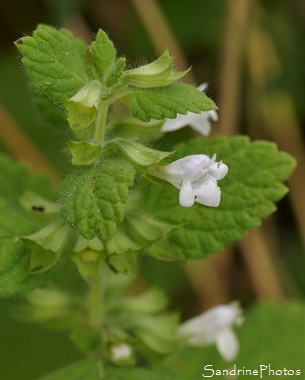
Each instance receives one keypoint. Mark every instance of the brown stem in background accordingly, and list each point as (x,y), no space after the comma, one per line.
(209,280)
(274,111)
(230,78)
(280,118)
(22,148)
(255,248)
(261,266)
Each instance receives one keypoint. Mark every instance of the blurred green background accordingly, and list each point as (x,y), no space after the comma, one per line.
(252,55)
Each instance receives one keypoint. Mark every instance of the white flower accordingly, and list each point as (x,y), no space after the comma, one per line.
(215,327)
(120,352)
(199,122)
(196,177)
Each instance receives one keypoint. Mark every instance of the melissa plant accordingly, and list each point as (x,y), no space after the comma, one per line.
(124,199)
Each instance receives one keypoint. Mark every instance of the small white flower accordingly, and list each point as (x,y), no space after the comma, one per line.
(120,352)
(196,177)
(215,327)
(200,122)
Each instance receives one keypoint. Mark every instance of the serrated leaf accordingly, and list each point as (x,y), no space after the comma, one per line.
(55,61)
(15,278)
(17,220)
(93,198)
(166,102)
(249,192)
(116,72)
(103,54)
(49,114)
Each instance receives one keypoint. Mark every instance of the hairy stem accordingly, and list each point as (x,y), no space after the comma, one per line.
(100,126)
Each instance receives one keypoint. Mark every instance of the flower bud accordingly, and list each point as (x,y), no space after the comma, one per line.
(82,107)
(155,74)
(140,154)
(121,352)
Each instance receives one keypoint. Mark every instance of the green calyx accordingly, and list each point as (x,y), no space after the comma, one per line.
(89,256)
(140,154)
(82,107)
(84,153)
(156,74)
(47,245)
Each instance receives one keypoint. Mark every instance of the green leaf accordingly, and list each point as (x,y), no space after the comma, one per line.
(166,102)
(34,202)
(157,332)
(16,220)
(125,264)
(55,61)
(116,73)
(90,370)
(132,373)
(103,55)
(15,278)
(249,191)
(86,369)
(93,198)
(149,302)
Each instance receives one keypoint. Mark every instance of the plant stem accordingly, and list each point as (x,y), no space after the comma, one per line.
(101,119)
(96,293)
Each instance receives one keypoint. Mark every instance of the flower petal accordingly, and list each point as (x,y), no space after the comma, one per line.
(202,87)
(227,344)
(186,196)
(186,168)
(208,193)
(202,123)
(209,323)
(171,125)
(121,352)
(179,122)
(219,170)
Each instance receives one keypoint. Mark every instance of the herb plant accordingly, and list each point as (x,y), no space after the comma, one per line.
(124,199)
